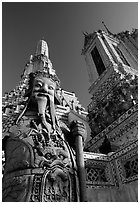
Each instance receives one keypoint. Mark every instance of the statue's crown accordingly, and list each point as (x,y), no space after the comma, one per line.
(40,64)
(48,74)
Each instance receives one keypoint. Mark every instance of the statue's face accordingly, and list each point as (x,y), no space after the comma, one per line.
(42,88)
(43,93)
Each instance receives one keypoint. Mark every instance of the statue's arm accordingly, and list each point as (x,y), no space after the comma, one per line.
(77,128)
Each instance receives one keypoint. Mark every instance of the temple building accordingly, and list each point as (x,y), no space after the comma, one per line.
(112,66)
(110,152)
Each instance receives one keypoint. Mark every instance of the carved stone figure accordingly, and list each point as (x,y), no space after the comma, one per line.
(40,161)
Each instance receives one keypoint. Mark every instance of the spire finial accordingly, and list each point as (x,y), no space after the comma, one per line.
(107,28)
(85,33)
(42,48)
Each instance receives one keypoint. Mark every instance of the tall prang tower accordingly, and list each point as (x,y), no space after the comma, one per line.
(112,68)
(112,65)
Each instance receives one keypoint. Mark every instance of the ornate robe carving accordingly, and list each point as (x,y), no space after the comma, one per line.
(39,162)
(38,169)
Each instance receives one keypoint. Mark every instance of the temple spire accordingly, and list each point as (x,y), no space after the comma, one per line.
(42,48)
(85,33)
(109,32)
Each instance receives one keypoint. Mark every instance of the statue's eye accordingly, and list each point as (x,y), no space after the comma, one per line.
(38,85)
(51,87)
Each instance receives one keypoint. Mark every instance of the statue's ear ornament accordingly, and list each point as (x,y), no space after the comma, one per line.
(57,100)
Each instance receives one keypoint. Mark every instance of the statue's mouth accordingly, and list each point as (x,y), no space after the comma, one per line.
(39,95)
(42,94)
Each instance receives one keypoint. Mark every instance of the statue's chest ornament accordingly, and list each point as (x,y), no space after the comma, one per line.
(49,152)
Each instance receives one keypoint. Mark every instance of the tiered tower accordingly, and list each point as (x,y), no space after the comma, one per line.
(112,68)
(112,64)
(13,102)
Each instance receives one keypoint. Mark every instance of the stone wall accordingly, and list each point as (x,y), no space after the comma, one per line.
(125,193)
(113,177)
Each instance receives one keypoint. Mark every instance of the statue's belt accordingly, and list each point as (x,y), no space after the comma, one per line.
(27,172)
(23,172)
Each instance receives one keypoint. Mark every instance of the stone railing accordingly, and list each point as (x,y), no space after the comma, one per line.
(112,170)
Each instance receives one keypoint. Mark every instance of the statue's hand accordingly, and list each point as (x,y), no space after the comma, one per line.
(78,129)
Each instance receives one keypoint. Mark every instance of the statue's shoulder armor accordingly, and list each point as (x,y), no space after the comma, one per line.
(7,122)
(64,125)
(11,129)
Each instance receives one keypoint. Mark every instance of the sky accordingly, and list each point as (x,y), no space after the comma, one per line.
(62,25)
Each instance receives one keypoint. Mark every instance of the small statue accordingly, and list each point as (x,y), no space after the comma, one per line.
(39,154)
